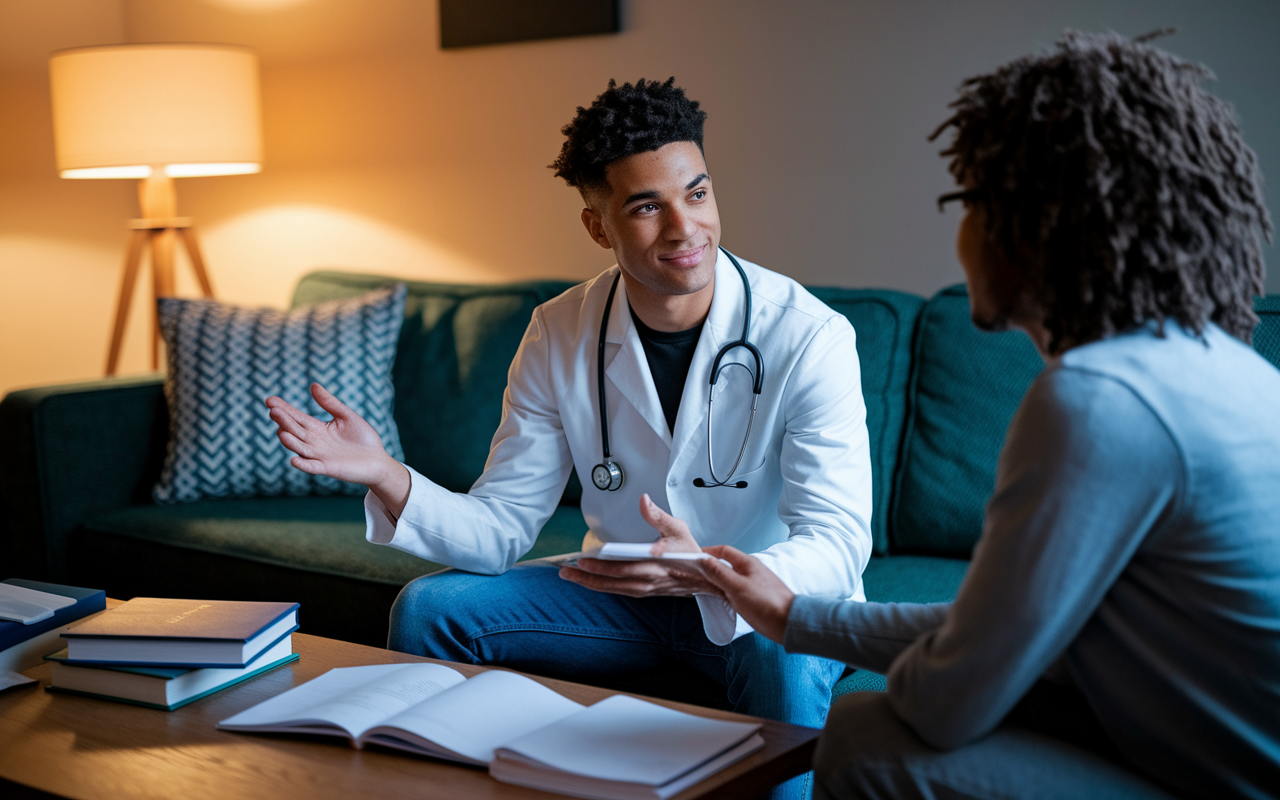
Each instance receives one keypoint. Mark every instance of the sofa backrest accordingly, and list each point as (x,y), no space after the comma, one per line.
(884,321)
(965,386)
(1266,337)
(451,365)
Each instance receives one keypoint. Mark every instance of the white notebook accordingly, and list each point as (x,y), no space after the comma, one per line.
(621,747)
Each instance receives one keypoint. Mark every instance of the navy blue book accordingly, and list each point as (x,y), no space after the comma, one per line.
(156,631)
(87,602)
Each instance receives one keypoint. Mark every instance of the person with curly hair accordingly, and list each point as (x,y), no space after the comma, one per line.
(1117,633)
(618,369)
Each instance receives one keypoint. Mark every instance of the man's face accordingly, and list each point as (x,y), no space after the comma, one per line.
(659,216)
(996,285)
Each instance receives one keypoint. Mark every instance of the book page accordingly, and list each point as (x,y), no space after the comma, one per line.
(351,699)
(474,717)
(625,739)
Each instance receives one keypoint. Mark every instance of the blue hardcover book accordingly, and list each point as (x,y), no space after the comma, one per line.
(165,688)
(154,631)
(88,601)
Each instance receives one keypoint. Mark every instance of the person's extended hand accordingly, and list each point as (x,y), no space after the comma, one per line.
(346,447)
(762,599)
(647,578)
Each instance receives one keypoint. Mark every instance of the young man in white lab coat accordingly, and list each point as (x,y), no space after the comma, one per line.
(799,499)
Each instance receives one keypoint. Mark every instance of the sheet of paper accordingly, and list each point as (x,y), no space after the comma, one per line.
(29,606)
(9,679)
(352,698)
(625,739)
(476,716)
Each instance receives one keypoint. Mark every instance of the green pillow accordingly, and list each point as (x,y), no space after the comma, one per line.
(883,321)
(965,387)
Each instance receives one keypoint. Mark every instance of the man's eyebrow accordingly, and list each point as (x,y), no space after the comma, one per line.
(649,195)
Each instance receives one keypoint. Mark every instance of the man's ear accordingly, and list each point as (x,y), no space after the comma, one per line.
(595,228)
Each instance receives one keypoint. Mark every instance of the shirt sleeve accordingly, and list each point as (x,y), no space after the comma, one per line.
(487,529)
(863,635)
(1087,471)
(826,472)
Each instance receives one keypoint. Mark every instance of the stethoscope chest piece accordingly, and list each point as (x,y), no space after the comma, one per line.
(607,476)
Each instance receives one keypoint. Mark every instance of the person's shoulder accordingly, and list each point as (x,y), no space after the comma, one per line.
(1169,355)
(573,300)
(787,296)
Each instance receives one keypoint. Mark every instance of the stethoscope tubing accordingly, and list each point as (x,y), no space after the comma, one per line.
(608,472)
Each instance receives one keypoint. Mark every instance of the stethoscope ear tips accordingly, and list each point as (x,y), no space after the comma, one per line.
(701,484)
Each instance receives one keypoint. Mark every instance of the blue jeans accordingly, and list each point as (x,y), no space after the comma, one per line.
(530,619)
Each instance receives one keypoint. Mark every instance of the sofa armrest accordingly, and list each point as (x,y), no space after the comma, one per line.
(68,452)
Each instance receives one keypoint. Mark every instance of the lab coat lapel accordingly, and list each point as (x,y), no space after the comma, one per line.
(629,368)
(724,323)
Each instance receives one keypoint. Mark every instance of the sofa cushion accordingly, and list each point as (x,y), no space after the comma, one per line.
(883,321)
(1266,337)
(913,579)
(322,535)
(455,348)
(225,360)
(965,387)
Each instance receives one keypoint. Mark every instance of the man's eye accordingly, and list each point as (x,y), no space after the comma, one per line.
(648,207)
(701,193)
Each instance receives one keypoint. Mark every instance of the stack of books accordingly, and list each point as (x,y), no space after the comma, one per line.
(164,653)
(33,617)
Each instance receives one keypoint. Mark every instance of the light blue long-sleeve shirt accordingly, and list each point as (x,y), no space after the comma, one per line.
(1134,538)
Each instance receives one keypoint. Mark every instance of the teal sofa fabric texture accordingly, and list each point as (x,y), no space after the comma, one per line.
(225,360)
(965,387)
(883,322)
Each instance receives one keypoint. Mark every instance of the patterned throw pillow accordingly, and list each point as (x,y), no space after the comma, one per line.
(225,360)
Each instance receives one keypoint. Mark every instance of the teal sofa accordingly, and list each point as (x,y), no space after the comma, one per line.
(77,463)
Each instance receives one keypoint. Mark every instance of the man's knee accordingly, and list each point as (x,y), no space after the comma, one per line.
(861,737)
(425,617)
(766,681)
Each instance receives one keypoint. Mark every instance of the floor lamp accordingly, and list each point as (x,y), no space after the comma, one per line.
(155,112)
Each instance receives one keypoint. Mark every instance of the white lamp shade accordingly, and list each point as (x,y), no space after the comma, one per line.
(119,111)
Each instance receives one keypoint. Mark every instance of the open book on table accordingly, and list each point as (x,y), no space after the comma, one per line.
(621,747)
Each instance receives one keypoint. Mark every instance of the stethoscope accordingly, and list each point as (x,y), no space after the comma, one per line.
(607,475)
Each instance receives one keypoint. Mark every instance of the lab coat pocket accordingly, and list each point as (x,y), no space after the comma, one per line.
(728,512)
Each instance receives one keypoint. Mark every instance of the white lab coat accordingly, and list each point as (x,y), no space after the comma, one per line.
(806,510)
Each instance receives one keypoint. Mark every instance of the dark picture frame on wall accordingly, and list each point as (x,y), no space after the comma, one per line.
(470,23)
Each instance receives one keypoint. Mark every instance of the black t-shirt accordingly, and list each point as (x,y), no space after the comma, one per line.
(669,356)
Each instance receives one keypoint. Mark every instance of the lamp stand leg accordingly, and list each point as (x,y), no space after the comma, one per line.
(132,261)
(197,260)
(162,246)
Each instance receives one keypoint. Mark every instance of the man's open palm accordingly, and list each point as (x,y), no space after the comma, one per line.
(346,447)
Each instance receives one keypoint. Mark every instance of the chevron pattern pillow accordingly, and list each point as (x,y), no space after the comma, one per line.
(225,360)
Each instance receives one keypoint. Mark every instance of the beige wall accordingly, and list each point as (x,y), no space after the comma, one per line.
(386,154)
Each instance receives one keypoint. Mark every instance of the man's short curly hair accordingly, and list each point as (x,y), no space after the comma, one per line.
(1123,188)
(623,121)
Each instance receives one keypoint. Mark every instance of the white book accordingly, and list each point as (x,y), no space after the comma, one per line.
(527,733)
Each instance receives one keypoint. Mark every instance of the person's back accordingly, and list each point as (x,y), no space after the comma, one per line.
(1117,633)
(1181,661)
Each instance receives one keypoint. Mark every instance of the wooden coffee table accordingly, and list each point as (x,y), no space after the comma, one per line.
(56,745)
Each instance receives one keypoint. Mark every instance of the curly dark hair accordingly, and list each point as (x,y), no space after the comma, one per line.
(1122,188)
(623,121)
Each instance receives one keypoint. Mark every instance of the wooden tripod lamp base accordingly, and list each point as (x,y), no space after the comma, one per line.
(159,227)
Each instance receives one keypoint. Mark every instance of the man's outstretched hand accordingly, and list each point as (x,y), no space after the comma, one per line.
(346,447)
(762,599)
(648,578)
